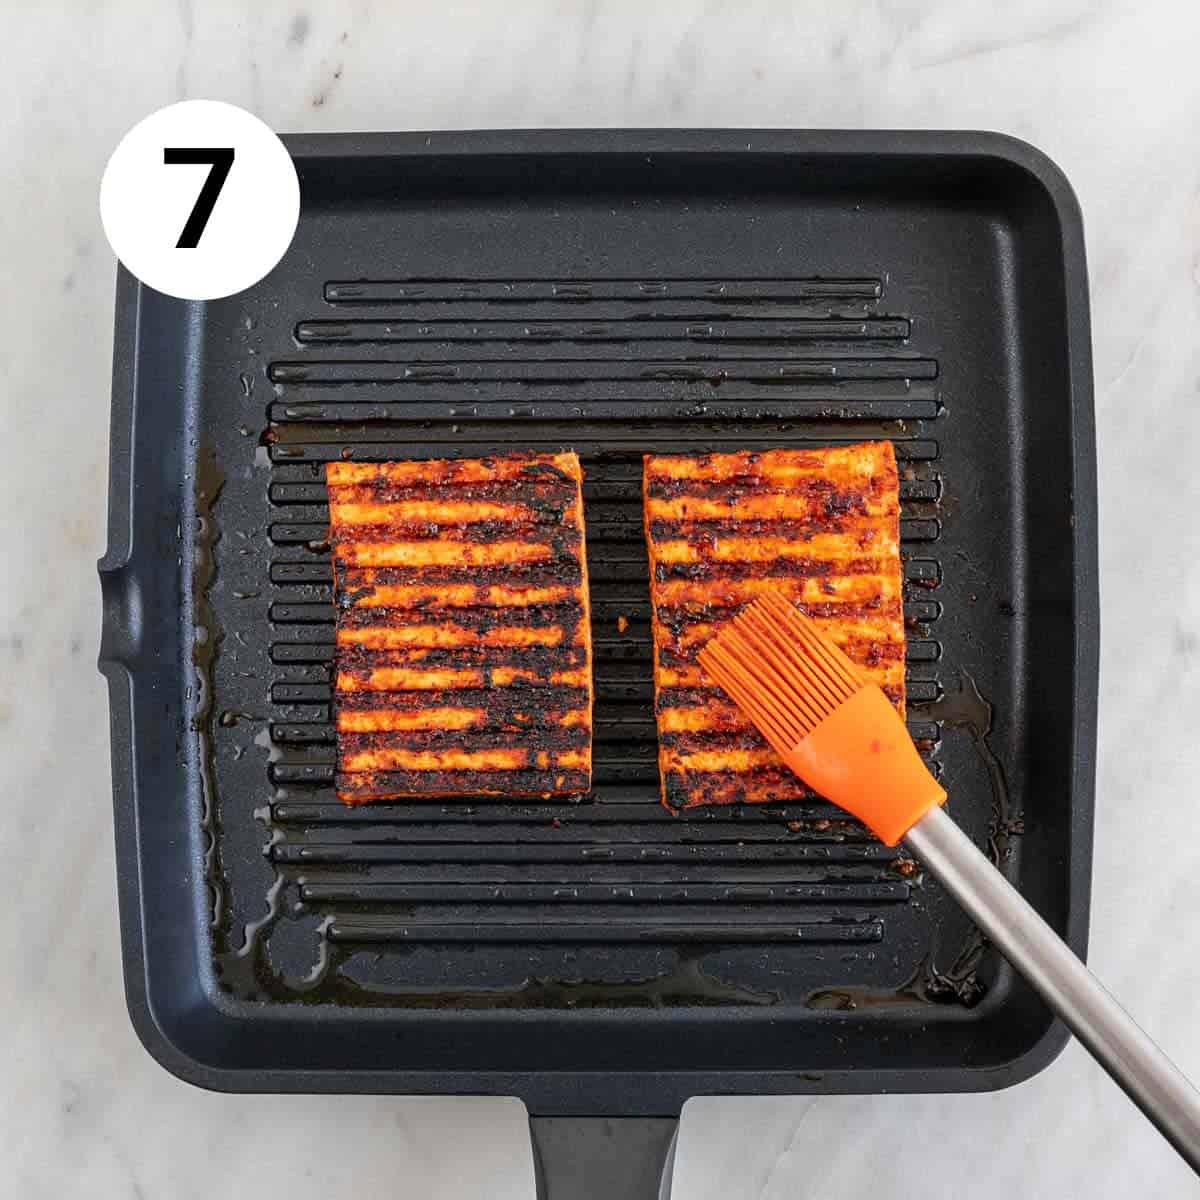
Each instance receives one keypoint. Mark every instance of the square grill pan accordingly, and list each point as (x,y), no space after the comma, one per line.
(615,293)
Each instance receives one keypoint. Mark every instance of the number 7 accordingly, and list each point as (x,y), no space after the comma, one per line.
(220,160)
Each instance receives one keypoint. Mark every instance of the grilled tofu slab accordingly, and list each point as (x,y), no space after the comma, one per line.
(463,659)
(823,527)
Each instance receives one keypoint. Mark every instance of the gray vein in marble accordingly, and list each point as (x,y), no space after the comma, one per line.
(777,1165)
(1043,37)
(298,30)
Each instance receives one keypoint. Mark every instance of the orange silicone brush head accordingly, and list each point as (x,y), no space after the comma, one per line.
(838,732)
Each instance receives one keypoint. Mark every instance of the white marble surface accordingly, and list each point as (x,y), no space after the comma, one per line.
(1110,90)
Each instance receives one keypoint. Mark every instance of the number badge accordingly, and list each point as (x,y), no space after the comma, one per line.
(200,200)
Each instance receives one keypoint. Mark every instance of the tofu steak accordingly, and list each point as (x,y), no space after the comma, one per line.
(463,661)
(822,526)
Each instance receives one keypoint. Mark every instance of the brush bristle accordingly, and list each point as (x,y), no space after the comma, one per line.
(780,669)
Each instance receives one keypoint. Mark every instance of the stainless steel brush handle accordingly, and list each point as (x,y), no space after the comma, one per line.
(1112,1036)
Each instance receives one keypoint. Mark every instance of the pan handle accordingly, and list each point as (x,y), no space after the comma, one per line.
(603,1158)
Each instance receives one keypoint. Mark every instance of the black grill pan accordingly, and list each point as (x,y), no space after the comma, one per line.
(618,293)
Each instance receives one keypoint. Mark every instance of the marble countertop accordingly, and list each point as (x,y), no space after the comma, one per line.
(1108,89)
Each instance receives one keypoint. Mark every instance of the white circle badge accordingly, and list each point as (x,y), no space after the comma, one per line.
(200,200)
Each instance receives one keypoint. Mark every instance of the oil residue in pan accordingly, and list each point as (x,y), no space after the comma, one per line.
(959,983)
(686,984)
(794,878)
(206,641)
(967,709)
(240,971)
(247,972)
(245,969)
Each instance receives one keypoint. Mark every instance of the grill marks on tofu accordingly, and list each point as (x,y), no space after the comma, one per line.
(463,644)
(821,526)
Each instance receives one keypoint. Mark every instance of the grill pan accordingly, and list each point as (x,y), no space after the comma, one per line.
(615,293)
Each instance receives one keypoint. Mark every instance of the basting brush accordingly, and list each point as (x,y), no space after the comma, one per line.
(842,736)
